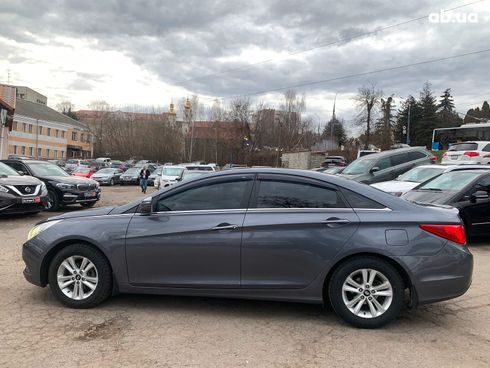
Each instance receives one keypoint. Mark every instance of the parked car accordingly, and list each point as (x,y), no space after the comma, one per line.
(170,175)
(130,176)
(119,165)
(142,163)
(72,164)
(332,161)
(334,170)
(83,172)
(193,174)
(20,193)
(200,167)
(399,145)
(155,175)
(289,235)
(234,166)
(362,153)
(109,176)
(60,163)
(420,174)
(104,161)
(411,179)
(467,190)
(475,152)
(387,165)
(63,189)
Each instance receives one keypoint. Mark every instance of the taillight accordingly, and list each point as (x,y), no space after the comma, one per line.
(444,155)
(433,158)
(454,233)
(471,153)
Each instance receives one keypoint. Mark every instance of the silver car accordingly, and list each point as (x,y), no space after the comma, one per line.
(276,234)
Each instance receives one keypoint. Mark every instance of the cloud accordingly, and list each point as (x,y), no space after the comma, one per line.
(187,47)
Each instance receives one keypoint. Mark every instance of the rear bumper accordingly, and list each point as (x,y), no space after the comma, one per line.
(443,276)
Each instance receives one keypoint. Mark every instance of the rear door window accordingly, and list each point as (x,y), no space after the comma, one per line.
(293,194)
(416,155)
(400,159)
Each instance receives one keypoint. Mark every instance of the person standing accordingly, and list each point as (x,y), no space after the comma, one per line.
(144,174)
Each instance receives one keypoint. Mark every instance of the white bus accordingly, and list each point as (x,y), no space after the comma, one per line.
(442,138)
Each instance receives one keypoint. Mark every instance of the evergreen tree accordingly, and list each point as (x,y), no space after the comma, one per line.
(448,117)
(446,103)
(70,114)
(422,127)
(336,127)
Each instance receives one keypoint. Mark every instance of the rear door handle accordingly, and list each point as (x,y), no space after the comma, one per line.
(335,222)
(225,226)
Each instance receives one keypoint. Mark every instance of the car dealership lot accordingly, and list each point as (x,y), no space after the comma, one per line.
(136,330)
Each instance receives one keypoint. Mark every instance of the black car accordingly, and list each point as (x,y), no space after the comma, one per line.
(467,190)
(63,189)
(20,194)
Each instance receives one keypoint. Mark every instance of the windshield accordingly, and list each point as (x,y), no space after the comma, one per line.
(451,181)
(7,170)
(82,170)
(420,174)
(47,169)
(105,171)
(158,171)
(463,147)
(359,167)
(172,171)
(133,171)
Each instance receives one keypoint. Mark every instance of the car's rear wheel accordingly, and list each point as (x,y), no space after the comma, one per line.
(366,292)
(112,182)
(80,276)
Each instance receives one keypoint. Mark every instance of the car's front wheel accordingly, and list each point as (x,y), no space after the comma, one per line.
(80,276)
(366,292)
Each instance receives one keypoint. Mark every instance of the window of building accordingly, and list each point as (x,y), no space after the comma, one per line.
(30,128)
(63,134)
(81,137)
(39,152)
(40,130)
(14,126)
(49,132)
(15,149)
(57,133)
(88,138)
(74,136)
(23,150)
(47,152)
(62,154)
(55,153)
(31,151)
(24,127)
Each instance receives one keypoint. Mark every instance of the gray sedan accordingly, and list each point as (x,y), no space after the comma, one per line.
(108,176)
(274,234)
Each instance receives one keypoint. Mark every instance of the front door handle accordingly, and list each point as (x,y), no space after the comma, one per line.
(335,222)
(225,226)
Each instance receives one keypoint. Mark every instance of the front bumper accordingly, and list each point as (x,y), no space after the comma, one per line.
(102,180)
(32,257)
(129,180)
(444,276)
(10,204)
(71,197)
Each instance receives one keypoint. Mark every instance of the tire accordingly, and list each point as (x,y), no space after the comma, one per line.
(385,310)
(112,182)
(53,201)
(100,275)
(88,204)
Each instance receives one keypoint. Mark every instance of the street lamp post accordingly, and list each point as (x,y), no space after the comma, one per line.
(408,119)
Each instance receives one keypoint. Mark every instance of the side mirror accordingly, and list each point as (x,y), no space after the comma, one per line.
(145,207)
(480,194)
(374,169)
(21,172)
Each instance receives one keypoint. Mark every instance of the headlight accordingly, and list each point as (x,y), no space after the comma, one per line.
(43,186)
(3,189)
(65,186)
(36,230)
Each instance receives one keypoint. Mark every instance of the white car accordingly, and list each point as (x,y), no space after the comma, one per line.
(468,153)
(418,175)
(201,167)
(170,175)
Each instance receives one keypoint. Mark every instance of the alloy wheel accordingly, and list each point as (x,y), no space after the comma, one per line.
(77,277)
(367,293)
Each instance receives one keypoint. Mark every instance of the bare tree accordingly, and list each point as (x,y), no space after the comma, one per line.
(65,106)
(367,98)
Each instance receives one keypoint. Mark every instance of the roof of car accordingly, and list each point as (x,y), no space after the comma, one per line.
(392,152)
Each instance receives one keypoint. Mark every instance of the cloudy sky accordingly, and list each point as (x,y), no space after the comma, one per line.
(147,52)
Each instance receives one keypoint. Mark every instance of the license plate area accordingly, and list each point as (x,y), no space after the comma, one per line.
(31,200)
(89,194)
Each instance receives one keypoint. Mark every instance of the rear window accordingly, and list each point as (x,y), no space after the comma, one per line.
(416,155)
(463,147)
(359,201)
